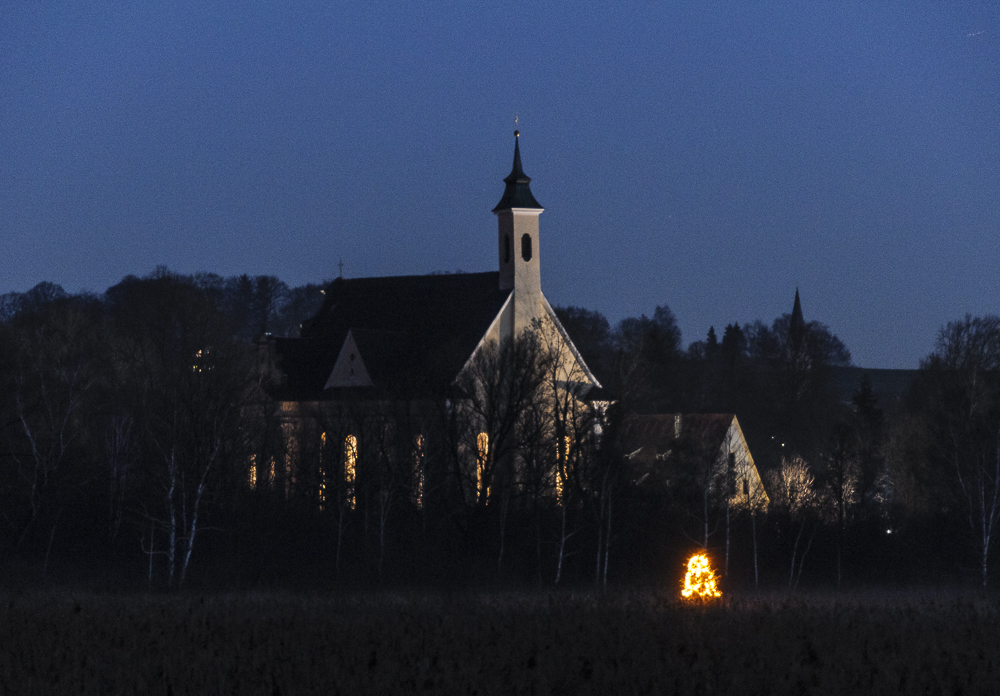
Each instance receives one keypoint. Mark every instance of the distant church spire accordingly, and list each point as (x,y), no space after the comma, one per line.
(517,192)
(797,326)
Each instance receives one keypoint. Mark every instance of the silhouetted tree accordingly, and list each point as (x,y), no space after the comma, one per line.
(962,378)
(54,350)
(184,379)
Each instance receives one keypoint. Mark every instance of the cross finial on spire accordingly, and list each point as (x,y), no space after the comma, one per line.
(517,193)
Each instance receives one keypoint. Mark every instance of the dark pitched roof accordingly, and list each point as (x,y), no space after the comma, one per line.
(656,434)
(890,386)
(517,192)
(413,332)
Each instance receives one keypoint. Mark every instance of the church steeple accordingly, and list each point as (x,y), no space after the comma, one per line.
(517,226)
(517,192)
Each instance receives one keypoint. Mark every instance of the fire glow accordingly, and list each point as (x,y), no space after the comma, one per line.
(699,581)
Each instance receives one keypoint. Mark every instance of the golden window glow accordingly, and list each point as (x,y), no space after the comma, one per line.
(350,467)
(252,475)
(418,471)
(699,581)
(562,465)
(482,453)
(562,453)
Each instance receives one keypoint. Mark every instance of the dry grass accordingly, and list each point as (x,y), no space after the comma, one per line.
(498,644)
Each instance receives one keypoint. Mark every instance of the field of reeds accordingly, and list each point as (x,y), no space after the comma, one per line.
(631,643)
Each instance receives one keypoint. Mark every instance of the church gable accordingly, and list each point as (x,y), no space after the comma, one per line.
(573,358)
(349,370)
(574,376)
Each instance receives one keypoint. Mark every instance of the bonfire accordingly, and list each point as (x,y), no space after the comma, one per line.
(699,581)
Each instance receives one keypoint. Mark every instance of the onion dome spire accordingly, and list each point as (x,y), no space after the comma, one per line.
(517,193)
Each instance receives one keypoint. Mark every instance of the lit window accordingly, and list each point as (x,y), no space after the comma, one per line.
(350,467)
(562,465)
(482,454)
(252,475)
(562,453)
(419,456)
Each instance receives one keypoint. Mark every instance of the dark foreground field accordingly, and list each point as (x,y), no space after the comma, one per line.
(498,644)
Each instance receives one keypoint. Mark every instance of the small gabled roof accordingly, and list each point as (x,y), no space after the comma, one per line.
(517,192)
(414,333)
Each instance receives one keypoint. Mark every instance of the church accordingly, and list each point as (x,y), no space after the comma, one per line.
(389,368)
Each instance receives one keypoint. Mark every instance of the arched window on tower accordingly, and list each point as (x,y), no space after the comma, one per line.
(506,248)
(526,247)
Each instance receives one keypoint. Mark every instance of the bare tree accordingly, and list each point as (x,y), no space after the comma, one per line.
(119,445)
(55,350)
(498,386)
(794,499)
(963,377)
(571,441)
(842,483)
(186,381)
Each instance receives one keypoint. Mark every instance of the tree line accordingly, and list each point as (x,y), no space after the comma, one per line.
(140,448)
(863,491)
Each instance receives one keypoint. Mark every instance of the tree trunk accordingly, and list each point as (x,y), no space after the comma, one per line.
(725,572)
(607,545)
(340,535)
(562,546)
(172,525)
(795,548)
(504,501)
(704,500)
(192,530)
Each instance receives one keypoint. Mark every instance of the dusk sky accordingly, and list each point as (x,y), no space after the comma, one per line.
(712,156)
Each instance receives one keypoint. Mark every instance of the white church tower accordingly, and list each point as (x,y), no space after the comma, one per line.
(517,217)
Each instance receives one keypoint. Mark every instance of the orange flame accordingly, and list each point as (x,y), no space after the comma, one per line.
(699,581)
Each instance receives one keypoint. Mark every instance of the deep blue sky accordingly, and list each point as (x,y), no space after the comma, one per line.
(711,156)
